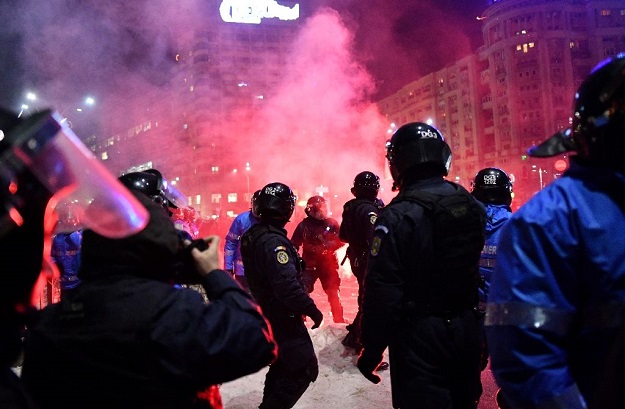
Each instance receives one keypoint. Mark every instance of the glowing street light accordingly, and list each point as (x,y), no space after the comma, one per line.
(24,108)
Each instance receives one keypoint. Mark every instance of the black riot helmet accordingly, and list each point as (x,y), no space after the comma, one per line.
(597,133)
(152,183)
(366,185)
(492,185)
(274,204)
(417,146)
(317,208)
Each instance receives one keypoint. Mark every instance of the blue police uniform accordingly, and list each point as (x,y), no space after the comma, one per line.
(232,246)
(496,217)
(557,294)
(66,255)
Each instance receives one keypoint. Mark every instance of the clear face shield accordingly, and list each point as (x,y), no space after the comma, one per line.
(45,145)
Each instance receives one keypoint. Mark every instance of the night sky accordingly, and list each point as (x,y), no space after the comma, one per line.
(71,46)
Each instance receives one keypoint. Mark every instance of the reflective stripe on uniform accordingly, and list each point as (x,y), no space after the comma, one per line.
(608,315)
(487,262)
(526,315)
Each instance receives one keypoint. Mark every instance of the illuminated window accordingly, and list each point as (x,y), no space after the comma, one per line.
(216,198)
(198,199)
(606,13)
(104,156)
(215,169)
(232,197)
(525,47)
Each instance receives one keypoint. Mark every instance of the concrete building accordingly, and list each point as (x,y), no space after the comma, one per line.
(224,72)
(518,87)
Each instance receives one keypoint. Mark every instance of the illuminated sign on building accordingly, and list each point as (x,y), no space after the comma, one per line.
(253,11)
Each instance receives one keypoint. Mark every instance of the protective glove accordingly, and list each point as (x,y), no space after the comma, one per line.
(367,364)
(317,317)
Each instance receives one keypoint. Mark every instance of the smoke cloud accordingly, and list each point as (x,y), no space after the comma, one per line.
(320,127)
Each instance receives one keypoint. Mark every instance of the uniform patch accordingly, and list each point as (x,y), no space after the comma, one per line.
(381,228)
(372,217)
(375,245)
(282,257)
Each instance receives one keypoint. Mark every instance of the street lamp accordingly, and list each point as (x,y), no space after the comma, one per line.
(247,176)
(24,108)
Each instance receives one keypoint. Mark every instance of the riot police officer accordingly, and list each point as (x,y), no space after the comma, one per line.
(273,269)
(233,262)
(42,162)
(318,235)
(557,294)
(493,188)
(422,276)
(359,216)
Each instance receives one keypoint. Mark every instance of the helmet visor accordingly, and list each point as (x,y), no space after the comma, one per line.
(63,164)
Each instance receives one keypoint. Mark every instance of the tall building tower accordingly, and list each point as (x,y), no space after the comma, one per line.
(536,54)
(225,70)
(446,99)
(517,88)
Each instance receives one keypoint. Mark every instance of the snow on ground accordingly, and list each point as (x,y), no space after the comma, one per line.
(339,385)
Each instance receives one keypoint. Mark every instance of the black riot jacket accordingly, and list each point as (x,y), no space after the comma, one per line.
(123,339)
(273,270)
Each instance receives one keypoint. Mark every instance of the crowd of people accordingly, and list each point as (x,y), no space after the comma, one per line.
(449,280)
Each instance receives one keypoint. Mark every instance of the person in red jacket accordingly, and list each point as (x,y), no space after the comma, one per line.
(318,235)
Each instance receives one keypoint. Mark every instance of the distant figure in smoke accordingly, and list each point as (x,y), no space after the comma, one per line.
(318,235)
(359,216)
(273,269)
(66,247)
(493,188)
(555,319)
(233,263)
(422,278)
